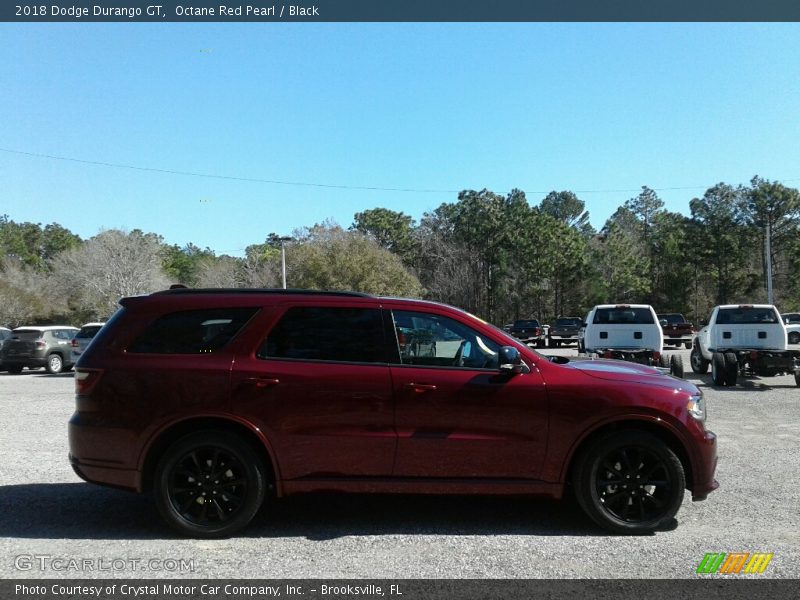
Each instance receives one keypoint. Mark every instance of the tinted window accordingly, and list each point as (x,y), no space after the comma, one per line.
(623,316)
(746,316)
(28,335)
(567,322)
(526,324)
(87,333)
(792,317)
(433,340)
(324,333)
(672,319)
(192,331)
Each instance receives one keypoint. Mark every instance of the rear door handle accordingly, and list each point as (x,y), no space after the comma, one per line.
(420,387)
(263,382)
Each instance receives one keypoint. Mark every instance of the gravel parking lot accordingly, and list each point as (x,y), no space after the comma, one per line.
(45,510)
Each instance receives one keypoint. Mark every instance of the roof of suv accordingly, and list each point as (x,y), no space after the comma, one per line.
(290,292)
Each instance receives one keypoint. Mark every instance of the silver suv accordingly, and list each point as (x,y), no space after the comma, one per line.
(82,339)
(35,347)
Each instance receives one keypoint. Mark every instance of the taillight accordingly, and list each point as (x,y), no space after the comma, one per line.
(753,355)
(74,343)
(86,379)
(608,354)
(41,343)
(656,355)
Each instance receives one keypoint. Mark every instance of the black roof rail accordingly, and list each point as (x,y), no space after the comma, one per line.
(177,291)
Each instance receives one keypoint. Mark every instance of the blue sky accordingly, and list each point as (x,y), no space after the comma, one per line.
(600,109)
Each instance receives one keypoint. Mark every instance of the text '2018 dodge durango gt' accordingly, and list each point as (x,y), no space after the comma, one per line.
(213,399)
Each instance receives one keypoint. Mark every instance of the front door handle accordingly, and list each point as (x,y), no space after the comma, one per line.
(420,387)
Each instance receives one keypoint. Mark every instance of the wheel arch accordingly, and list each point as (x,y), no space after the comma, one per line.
(159,444)
(658,429)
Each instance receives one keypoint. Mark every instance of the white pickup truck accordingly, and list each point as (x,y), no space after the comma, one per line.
(744,340)
(628,332)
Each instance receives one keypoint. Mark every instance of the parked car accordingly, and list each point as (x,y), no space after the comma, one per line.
(565,331)
(744,340)
(82,339)
(5,333)
(529,331)
(676,329)
(792,322)
(215,398)
(629,332)
(35,347)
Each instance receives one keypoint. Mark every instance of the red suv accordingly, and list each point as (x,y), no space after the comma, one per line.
(215,398)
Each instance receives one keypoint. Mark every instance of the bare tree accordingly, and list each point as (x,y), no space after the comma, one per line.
(109,266)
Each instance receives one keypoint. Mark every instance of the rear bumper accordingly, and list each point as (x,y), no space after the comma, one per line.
(104,475)
(704,482)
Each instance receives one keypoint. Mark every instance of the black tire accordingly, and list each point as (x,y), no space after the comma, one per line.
(230,497)
(15,369)
(697,362)
(718,369)
(663,361)
(676,366)
(731,369)
(540,343)
(581,348)
(794,337)
(55,364)
(687,345)
(797,378)
(608,488)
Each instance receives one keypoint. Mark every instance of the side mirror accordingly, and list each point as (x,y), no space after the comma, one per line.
(703,322)
(510,360)
(583,324)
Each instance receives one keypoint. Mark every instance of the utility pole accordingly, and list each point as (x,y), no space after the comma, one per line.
(768,253)
(283,258)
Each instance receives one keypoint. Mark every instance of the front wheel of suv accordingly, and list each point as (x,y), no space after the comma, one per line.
(629,482)
(54,364)
(209,484)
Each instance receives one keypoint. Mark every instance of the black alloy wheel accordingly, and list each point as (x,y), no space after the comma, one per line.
(630,482)
(209,484)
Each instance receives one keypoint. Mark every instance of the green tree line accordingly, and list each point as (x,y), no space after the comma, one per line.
(499,256)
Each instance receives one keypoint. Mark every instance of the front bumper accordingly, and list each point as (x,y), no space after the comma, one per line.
(704,468)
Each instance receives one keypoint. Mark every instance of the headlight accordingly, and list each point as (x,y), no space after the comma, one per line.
(697,407)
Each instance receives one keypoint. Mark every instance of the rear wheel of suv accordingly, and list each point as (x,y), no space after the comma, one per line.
(209,484)
(718,369)
(54,364)
(629,482)
(696,360)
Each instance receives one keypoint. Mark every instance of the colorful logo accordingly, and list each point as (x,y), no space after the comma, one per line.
(734,562)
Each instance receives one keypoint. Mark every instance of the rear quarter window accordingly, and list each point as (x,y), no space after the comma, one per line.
(191,331)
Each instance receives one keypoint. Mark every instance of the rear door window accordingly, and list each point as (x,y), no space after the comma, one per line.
(338,334)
